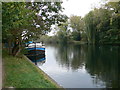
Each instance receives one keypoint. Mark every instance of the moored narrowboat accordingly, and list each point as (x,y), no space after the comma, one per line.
(35,48)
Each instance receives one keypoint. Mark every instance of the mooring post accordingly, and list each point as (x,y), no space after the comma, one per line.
(35,55)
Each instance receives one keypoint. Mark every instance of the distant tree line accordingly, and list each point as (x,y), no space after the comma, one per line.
(99,26)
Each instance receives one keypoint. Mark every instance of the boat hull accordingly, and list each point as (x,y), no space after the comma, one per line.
(38,49)
(37,58)
(35,49)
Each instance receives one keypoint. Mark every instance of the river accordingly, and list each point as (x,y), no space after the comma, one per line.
(83,66)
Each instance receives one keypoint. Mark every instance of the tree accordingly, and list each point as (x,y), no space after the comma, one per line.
(22,21)
(77,24)
(89,27)
(15,19)
(113,34)
(63,32)
(102,24)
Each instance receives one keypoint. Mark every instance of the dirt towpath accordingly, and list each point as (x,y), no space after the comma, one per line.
(0,72)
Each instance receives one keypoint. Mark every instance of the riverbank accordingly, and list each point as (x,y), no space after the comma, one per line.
(83,42)
(79,42)
(20,73)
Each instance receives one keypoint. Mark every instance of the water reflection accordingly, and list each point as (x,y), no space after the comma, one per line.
(37,59)
(70,56)
(101,62)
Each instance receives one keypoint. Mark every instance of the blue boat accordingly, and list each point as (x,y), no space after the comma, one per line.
(35,49)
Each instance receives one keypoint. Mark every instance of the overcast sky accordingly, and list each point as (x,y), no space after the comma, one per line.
(79,7)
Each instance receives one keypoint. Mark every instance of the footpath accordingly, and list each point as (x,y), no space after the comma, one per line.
(0,72)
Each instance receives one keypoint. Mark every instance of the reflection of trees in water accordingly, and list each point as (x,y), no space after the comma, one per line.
(102,62)
(70,56)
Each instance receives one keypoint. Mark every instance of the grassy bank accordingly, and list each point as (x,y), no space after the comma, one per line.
(77,42)
(20,73)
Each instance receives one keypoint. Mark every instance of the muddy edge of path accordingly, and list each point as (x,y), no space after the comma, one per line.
(0,72)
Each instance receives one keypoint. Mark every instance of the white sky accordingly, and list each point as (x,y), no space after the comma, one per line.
(79,7)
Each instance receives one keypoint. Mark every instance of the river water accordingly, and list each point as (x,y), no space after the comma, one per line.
(83,66)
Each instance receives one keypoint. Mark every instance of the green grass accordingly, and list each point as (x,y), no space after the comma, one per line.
(20,73)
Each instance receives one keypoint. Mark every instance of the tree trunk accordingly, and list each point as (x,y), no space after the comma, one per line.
(16,49)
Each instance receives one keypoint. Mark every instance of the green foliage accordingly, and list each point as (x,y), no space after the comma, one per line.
(16,18)
(77,25)
(76,36)
(25,20)
(62,37)
(48,39)
(63,32)
(112,35)
(48,13)
(102,25)
(89,26)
